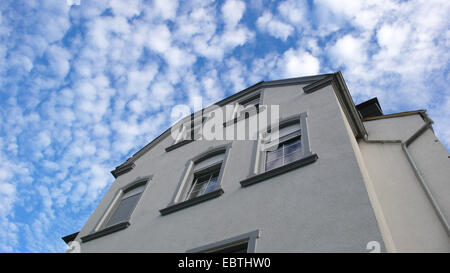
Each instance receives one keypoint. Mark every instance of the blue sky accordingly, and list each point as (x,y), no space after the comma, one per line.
(83,87)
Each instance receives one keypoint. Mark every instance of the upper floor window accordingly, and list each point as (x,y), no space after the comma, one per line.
(286,148)
(205,177)
(187,132)
(119,212)
(204,183)
(201,180)
(281,148)
(252,101)
(246,107)
(124,208)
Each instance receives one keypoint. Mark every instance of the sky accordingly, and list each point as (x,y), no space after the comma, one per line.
(84,86)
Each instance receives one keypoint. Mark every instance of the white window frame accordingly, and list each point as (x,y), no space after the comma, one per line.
(118,197)
(261,145)
(239,108)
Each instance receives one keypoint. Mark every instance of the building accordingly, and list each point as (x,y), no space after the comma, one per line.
(323,176)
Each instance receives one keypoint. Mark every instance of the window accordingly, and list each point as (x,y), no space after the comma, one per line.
(124,209)
(201,180)
(245,243)
(286,148)
(118,214)
(188,132)
(252,101)
(281,149)
(204,183)
(286,152)
(246,107)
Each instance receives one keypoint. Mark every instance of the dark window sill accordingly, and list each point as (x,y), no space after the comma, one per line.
(191,202)
(179,144)
(280,170)
(105,231)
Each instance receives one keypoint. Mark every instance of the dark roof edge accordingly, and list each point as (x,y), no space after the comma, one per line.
(349,104)
(244,92)
(336,80)
(396,115)
(70,238)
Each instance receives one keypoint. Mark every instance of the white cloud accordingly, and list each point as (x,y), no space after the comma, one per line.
(232,12)
(58,59)
(160,10)
(295,11)
(127,8)
(139,80)
(178,57)
(161,92)
(348,50)
(297,63)
(392,38)
(274,27)
(158,38)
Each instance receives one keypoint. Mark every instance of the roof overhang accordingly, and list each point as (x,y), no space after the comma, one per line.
(336,80)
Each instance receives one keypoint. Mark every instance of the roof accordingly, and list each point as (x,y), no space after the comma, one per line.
(396,115)
(369,108)
(70,238)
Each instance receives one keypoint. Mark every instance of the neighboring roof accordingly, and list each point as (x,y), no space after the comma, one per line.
(369,108)
(314,83)
(70,238)
(396,115)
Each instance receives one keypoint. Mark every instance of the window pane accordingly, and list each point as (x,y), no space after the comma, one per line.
(210,161)
(197,188)
(212,185)
(251,101)
(272,155)
(124,210)
(292,147)
(293,156)
(204,184)
(274,164)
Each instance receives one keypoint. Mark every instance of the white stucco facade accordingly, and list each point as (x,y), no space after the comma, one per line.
(344,193)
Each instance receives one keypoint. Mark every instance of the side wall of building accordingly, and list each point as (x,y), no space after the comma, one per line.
(411,220)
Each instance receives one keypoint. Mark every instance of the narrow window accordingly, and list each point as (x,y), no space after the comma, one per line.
(281,148)
(253,101)
(189,130)
(205,178)
(126,205)
(286,148)
(287,152)
(204,183)
(201,180)
(245,106)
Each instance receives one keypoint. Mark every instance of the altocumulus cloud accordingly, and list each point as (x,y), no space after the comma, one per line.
(83,87)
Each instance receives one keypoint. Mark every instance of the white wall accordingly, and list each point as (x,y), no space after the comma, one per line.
(411,220)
